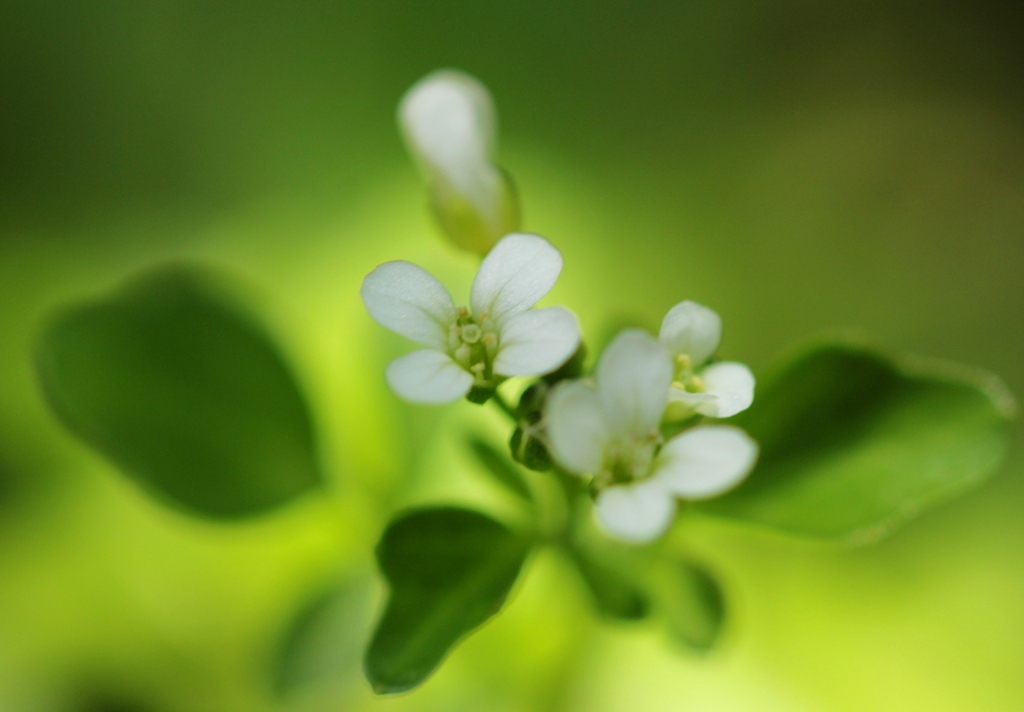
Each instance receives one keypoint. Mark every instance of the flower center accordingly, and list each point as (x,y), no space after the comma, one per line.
(473,343)
(629,459)
(686,379)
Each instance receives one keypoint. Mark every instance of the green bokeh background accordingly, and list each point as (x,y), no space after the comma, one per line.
(795,165)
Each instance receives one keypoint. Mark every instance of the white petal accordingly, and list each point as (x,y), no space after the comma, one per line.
(575,427)
(428,376)
(536,342)
(405,298)
(448,121)
(514,276)
(706,461)
(633,375)
(636,513)
(732,385)
(693,330)
(728,390)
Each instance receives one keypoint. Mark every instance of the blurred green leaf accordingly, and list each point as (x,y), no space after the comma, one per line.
(615,573)
(183,392)
(449,570)
(323,646)
(853,441)
(501,467)
(692,602)
(614,593)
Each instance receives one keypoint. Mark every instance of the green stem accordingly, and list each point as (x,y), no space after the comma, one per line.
(499,400)
(571,489)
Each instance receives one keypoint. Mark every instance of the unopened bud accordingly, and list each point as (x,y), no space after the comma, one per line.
(530,451)
(449,124)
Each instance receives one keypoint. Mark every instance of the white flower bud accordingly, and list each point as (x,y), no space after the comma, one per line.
(449,124)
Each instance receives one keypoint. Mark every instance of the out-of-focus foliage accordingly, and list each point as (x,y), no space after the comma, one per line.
(184,393)
(616,593)
(324,645)
(853,441)
(692,601)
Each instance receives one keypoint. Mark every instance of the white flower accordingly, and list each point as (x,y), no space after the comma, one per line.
(691,333)
(611,430)
(497,336)
(450,126)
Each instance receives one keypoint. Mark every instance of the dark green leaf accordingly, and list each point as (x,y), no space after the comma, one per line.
(449,570)
(853,441)
(323,646)
(501,467)
(691,601)
(183,392)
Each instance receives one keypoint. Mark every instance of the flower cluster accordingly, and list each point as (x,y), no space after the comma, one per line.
(609,426)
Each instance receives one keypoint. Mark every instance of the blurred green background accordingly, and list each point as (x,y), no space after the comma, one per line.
(795,165)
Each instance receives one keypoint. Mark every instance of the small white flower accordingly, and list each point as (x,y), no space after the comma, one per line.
(450,126)
(691,333)
(497,336)
(611,430)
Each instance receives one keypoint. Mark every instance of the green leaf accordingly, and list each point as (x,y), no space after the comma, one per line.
(501,467)
(615,573)
(615,595)
(853,441)
(322,649)
(182,391)
(449,570)
(692,602)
